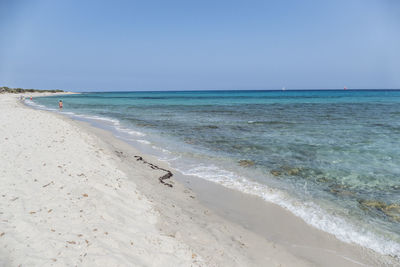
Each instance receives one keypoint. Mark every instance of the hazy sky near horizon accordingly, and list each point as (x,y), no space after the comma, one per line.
(194,45)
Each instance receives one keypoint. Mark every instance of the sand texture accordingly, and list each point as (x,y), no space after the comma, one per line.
(67,200)
(63,200)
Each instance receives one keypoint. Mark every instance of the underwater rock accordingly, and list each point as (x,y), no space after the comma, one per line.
(276,173)
(342,193)
(246,163)
(323,180)
(294,171)
(341,190)
(392,211)
(145,125)
(289,170)
(394,207)
(372,204)
(339,186)
(190,141)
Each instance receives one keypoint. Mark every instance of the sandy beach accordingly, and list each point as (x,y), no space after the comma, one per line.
(200,133)
(72,194)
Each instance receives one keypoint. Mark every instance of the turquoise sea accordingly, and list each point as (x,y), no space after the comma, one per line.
(331,157)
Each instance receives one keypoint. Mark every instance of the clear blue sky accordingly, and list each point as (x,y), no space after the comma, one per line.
(190,45)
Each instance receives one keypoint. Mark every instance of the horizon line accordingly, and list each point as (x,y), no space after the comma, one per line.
(221,90)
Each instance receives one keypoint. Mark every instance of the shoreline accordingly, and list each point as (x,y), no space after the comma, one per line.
(253,214)
(315,245)
(236,224)
(68,198)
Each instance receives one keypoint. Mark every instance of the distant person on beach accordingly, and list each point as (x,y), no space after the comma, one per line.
(60,104)
(31,98)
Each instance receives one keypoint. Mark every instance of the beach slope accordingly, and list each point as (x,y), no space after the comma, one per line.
(65,201)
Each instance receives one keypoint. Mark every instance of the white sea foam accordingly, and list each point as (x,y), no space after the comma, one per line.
(114,122)
(169,159)
(136,133)
(143,141)
(35,105)
(310,212)
(162,149)
(117,126)
(128,130)
(68,113)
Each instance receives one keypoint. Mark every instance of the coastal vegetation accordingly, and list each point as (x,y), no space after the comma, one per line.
(6,89)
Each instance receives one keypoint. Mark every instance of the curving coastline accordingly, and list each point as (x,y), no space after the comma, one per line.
(305,241)
(68,198)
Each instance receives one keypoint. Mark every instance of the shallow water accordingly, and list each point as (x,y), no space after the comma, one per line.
(331,157)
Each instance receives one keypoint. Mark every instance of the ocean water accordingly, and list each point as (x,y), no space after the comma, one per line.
(330,157)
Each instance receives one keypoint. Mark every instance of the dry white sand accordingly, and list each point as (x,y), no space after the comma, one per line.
(68,199)
(63,200)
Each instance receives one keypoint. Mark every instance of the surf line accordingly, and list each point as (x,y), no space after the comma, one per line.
(166,176)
